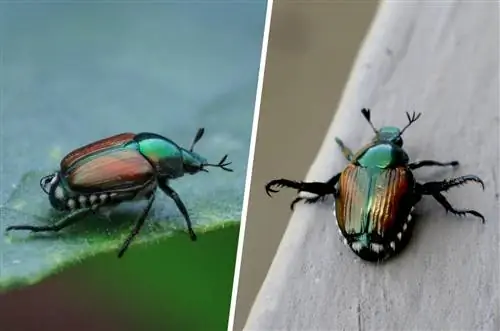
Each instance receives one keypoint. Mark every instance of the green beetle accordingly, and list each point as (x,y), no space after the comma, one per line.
(377,192)
(123,167)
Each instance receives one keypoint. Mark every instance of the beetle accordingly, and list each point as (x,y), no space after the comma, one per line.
(120,168)
(376,193)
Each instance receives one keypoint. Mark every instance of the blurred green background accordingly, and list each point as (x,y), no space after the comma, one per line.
(75,71)
(172,285)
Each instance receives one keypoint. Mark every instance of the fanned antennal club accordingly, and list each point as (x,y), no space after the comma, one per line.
(221,164)
(366,114)
(197,138)
(411,119)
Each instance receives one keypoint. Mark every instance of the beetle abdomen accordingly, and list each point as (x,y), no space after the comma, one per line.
(372,206)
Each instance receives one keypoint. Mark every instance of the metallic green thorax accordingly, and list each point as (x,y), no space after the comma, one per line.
(170,159)
(384,152)
(156,149)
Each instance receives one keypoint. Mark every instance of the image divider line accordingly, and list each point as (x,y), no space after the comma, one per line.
(246,197)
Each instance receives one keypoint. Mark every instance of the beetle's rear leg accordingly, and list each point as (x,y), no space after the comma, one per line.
(348,154)
(66,221)
(137,227)
(435,189)
(318,188)
(174,196)
(431,163)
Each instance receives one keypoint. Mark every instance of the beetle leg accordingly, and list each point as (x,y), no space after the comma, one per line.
(320,189)
(429,163)
(345,150)
(67,220)
(449,208)
(137,227)
(174,196)
(435,189)
(445,185)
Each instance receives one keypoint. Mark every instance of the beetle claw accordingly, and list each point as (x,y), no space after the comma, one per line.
(298,199)
(269,189)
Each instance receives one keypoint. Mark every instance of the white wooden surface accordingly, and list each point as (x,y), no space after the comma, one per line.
(439,58)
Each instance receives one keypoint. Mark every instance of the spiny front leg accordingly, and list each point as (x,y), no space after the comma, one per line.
(318,188)
(431,163)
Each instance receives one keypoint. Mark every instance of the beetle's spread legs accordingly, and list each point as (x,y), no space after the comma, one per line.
(430,163)
(435,189)
(445,185)
(318,188)
(66,221)
(348,154)
(137,227)
(174,196)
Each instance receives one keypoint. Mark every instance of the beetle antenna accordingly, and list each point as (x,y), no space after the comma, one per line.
(366,114)
(221,164)
(411,119)
(197,138)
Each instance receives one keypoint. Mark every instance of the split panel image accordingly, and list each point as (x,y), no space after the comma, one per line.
(249,165)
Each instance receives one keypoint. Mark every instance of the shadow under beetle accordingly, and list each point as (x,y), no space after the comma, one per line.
(120,168)
(377,192)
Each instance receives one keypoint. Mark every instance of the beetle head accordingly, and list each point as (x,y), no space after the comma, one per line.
(390,134)
(194,162)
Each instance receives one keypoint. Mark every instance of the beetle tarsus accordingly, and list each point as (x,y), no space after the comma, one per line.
(445,185)
(63,223)
(278,183)
(430,163)
(295,201)
(449,208)
(435,189)
(174,196)
(137,227)
(318,188)
(307,200)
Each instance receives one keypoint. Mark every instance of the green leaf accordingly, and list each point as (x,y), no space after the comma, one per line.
(27,258)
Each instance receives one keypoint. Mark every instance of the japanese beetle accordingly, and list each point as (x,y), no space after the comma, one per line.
(120,168)
(376,193)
